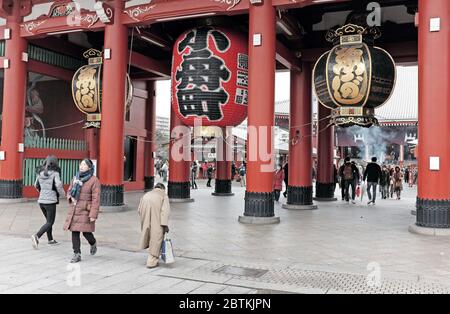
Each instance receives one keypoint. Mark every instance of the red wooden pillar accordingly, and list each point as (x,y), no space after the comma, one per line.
(325,184)
(113,111)
(150,145)
(224,154)
(300,190)
(179,189)
(259,198)
(13,116)
(92,138)
(433,201)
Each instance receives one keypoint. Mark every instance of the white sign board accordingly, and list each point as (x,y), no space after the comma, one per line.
(257,40)
(434,163)
(435,24)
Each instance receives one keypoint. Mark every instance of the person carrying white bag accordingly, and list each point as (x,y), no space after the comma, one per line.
(167,250)
(154,211)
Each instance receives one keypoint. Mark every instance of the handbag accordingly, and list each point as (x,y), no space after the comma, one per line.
(167,250)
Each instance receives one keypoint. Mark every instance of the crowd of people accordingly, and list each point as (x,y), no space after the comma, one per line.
(83,196)
(388,179)
(207,170)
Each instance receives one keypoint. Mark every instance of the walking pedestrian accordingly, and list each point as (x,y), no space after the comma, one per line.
(50,187)
(373,175)
(341,180)
(209,173)
(350,173)
(398,185)
(84,200)
(278,182)
(233,171)
(286,177)
(384,182)
(154,211)
(164,170)
(194,176)
(391,182)
(242,175)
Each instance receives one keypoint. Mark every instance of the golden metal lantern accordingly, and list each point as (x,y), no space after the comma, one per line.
(354,77)
(87,89)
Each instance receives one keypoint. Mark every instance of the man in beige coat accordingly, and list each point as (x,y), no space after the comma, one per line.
(154,211)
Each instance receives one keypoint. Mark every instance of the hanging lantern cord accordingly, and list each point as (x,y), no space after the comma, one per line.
(131,51)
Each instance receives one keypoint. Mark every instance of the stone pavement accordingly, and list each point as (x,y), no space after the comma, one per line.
(337,248)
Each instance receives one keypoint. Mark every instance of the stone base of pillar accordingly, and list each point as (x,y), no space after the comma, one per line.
(223,188)
(259,209)
(179,192)
(300,195)
(222,194)
(112,196)
(429,231)
(149,183)
(300,207)
(248,220)
(325,192)
(11,189)
(433,213)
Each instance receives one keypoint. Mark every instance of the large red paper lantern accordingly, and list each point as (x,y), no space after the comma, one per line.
(210,77)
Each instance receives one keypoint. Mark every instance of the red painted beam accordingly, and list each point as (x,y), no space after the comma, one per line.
(150,65)
(50,70)
(286,57)
(58,45)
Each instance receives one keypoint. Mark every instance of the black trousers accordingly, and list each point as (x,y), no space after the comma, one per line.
(348,184)
(208,184)
(49,211)
(76,241)
(277,195)
(193,183)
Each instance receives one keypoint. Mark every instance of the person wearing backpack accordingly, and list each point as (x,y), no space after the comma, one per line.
(50,188)
(349,174)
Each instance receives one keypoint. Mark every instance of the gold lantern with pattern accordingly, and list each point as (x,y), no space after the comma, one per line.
(87,89)
(354,77)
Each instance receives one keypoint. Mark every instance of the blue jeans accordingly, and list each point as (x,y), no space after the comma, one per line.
(373,186)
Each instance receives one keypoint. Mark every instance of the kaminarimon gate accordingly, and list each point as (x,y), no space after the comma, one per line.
(46,45)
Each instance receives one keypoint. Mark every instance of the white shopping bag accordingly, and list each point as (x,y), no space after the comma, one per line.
(167,250)
(363,190)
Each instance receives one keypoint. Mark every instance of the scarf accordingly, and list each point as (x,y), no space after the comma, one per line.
(80,179)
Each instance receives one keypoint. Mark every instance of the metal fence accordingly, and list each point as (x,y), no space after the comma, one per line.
(69,168)
(55,143)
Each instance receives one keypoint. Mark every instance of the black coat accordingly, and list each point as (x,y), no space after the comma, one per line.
(373,172)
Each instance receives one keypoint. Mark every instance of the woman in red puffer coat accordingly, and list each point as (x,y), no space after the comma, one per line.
(278,182)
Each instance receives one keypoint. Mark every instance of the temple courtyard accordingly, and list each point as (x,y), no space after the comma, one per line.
(339,248)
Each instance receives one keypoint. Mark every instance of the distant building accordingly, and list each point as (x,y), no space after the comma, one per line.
(163,125)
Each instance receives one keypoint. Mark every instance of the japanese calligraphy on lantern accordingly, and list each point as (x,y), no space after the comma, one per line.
(350,76)
(210,77)
(354,77)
